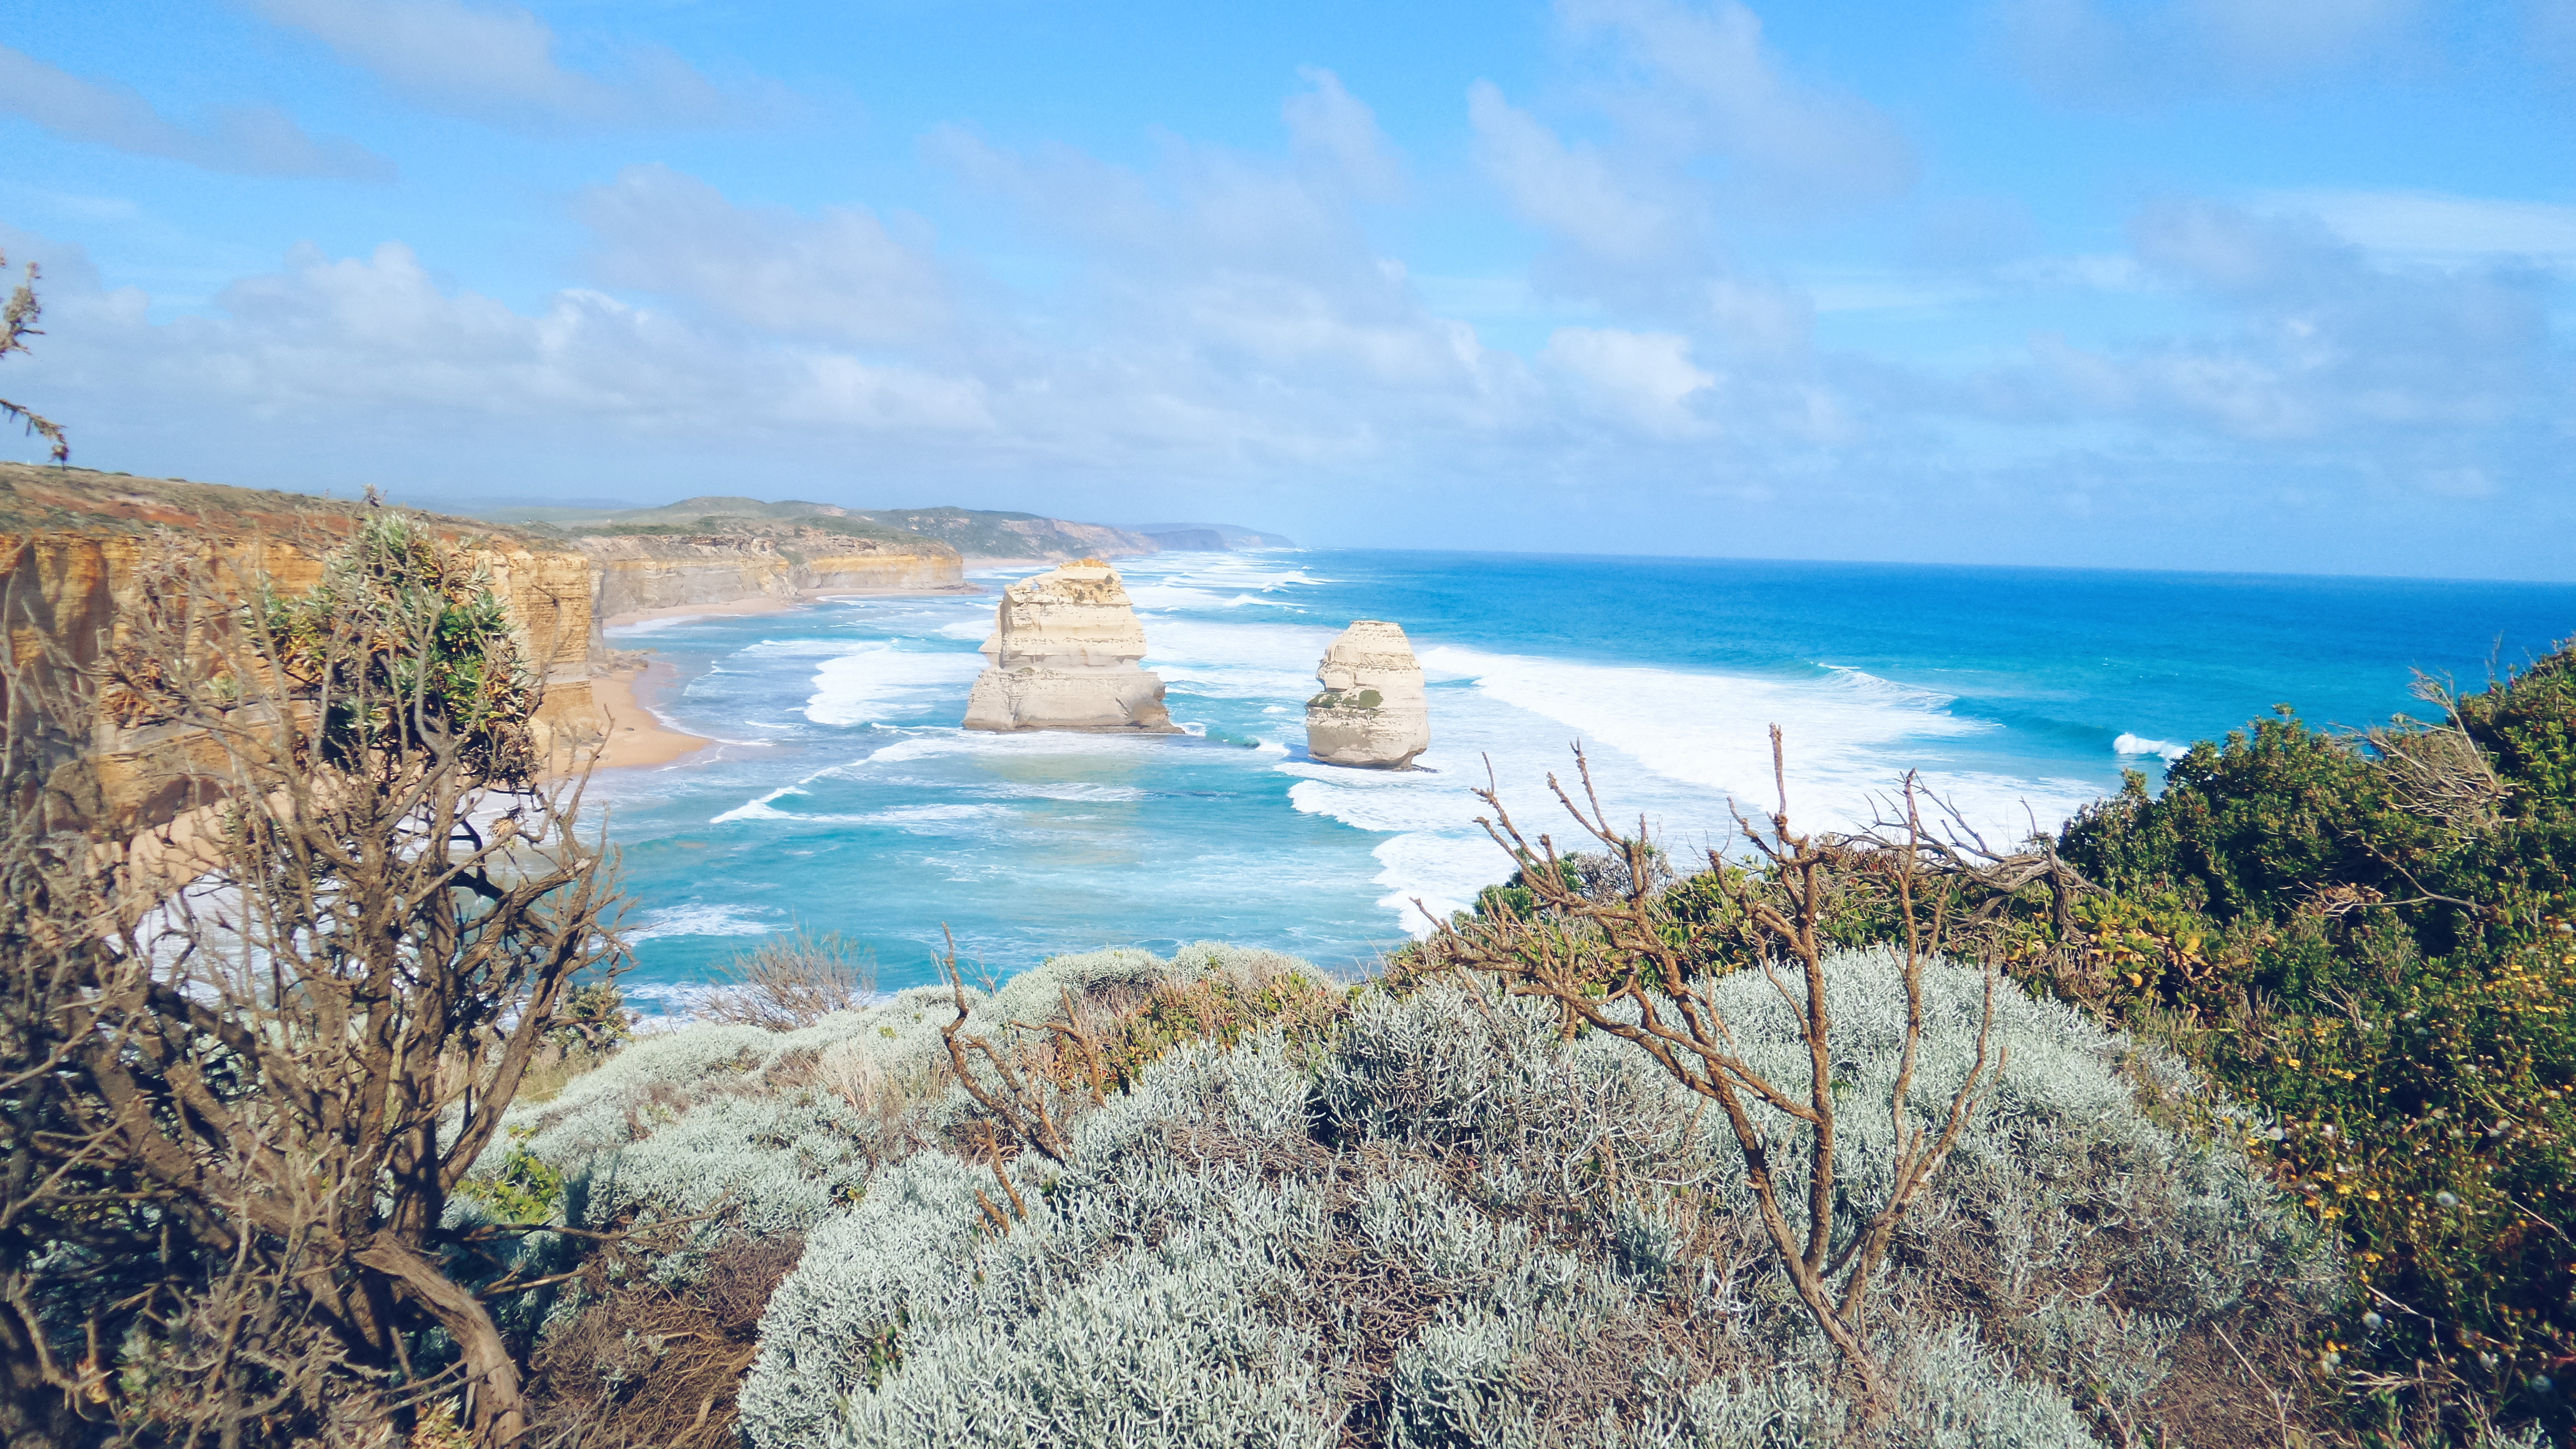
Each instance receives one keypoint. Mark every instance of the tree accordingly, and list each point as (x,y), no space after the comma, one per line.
(310,999)
(17,324)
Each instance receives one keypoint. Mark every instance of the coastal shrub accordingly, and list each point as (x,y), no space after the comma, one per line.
(654,1367)
(750,1130)
(1431,1224)
(2374,939)
(786,984)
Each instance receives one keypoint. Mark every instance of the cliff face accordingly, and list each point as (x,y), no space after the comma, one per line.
(636,572)
(1373,712)
(1064,650)
(76,549)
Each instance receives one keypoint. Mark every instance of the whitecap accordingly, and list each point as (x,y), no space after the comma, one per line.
(696,919)
(2129,744)
(762,808)
(1072,790)
(923,814)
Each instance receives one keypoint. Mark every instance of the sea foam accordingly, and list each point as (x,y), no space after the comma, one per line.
(881,681)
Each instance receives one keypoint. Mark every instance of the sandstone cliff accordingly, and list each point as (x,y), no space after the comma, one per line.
(639,571)
(1065,648)
(75,545)
(1373,712)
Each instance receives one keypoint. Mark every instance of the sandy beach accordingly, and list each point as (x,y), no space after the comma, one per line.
(635,736)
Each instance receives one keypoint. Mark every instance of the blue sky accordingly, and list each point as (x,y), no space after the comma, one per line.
(2222,284)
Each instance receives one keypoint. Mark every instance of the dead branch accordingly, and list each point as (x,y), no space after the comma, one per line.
(1020,1103)
(1627,967)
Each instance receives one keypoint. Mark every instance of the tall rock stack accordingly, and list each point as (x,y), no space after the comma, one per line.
(1372,712)
(1064,650)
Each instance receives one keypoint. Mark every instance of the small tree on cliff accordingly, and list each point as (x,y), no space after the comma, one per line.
(17,324)
(312,999)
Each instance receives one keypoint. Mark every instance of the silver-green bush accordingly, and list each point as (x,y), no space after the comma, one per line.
(1445,1227)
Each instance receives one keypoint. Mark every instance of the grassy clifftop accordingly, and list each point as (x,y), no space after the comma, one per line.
(44,498)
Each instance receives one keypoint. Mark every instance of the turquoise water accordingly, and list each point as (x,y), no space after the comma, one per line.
(841,796)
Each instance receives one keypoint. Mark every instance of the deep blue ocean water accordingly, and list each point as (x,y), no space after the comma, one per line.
(842,797)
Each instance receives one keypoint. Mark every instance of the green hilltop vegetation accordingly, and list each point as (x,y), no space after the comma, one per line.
(973,533)
(2233,1113)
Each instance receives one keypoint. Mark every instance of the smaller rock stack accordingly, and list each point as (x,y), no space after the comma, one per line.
(1064,650)
(1372,712)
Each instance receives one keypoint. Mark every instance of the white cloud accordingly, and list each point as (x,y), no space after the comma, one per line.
(1330,128)
(499,63)
(1647,378)
(1702,80)
(2436,228)
(1704,123)
(2087,53)
(843,274)
(2323,344)
(1234,271)
(1570,191)
(244,140)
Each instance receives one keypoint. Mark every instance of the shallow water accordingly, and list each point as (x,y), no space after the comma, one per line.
(841,796)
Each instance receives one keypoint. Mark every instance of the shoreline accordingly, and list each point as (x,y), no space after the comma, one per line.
(635,736)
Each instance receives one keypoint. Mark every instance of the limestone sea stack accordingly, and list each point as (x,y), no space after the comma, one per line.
(1372,712)
(1064,650)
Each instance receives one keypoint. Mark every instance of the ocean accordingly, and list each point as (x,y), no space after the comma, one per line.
(840,796)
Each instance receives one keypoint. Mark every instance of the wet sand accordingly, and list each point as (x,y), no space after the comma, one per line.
(635,736)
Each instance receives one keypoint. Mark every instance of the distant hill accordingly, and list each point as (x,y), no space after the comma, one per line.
(974,533)
(1211,537)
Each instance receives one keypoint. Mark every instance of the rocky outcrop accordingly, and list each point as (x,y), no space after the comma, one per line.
(1372,712)
(1065,648)
(637,572)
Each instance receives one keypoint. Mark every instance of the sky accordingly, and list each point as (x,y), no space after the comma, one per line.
(2268,285)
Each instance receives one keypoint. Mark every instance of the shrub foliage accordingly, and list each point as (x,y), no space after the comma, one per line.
(2370,936)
